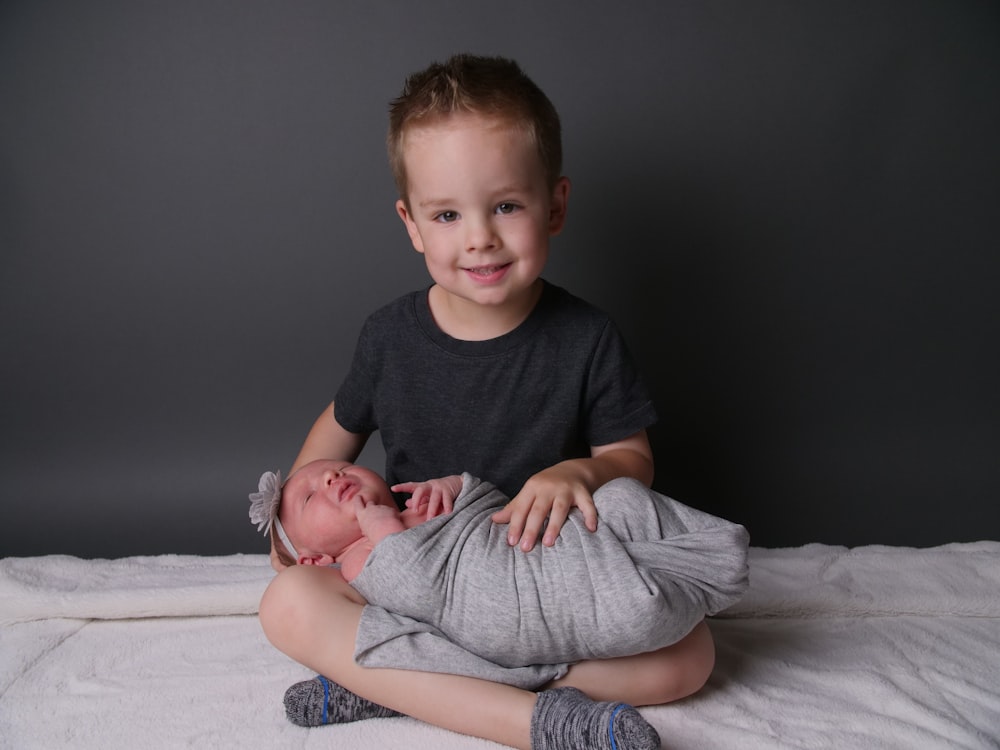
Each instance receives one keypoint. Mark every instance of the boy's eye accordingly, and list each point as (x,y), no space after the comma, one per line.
(506,208)
(446,217)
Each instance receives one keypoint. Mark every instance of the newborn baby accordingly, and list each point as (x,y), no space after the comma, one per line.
(652,570)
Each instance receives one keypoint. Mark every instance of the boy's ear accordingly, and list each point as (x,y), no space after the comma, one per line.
(313,559)
(558,207)
(411,225)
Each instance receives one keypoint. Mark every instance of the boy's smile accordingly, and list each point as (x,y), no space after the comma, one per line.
(481,212)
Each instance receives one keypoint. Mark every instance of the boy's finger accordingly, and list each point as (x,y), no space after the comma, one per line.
(533,525)
(513,515)
(557,517)
(589,511)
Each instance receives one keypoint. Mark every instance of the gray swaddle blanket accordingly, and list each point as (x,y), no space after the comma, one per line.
(452,596)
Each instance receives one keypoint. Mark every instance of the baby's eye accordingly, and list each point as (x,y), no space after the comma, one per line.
(446,217)
(506,208)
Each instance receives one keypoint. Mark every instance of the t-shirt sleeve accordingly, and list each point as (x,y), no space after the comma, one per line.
(354,403)
(617,401)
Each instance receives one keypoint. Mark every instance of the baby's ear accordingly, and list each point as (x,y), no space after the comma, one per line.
(311,559)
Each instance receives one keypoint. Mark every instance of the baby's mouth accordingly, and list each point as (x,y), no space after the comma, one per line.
(346,491)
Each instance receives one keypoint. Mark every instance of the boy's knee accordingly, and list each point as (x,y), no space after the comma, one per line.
(685,667)
(272,606)
(300,600)
(697,660)
(281,602)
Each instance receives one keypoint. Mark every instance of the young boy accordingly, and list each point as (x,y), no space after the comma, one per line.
(651,572)
(491,371)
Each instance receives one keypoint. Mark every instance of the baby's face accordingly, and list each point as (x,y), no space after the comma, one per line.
(318,505)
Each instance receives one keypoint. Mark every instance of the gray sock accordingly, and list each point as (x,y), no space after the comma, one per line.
(566,718)
(320,701)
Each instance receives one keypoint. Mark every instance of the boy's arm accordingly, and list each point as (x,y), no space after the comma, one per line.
(553,492)
(326,439)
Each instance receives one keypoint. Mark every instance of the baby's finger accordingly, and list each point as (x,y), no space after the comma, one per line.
(433,502)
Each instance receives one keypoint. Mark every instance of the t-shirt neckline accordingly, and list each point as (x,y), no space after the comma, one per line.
(488,347)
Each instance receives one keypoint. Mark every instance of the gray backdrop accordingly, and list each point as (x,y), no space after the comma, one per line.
(789,207)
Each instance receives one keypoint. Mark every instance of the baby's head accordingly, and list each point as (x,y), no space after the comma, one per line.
(312,515)
(491,87)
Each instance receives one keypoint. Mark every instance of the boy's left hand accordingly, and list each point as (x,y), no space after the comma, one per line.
(551,494)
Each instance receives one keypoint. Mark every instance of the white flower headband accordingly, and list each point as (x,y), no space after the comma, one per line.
(264,507)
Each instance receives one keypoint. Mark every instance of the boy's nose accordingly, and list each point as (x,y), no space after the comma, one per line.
(480,236)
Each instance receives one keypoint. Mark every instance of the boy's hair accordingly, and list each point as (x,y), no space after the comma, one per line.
(489,86)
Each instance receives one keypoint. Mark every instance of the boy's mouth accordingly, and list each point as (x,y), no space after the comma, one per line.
(486,272)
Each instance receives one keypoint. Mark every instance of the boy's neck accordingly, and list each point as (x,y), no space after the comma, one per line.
(468,321)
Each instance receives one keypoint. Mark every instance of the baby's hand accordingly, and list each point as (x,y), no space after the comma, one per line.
(551,494)
(376,521)
(438,495)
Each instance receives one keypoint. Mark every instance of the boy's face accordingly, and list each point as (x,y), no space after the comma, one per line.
(317,506)
(480,210)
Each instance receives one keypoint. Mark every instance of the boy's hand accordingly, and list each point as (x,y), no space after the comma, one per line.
(438,495)
(551,494)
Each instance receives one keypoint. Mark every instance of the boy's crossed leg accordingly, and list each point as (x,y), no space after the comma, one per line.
(312,615)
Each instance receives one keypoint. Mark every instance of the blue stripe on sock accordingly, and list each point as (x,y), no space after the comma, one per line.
(611,725)
(326,695)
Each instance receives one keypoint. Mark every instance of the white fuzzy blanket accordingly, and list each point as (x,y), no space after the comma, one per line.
(874,647)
